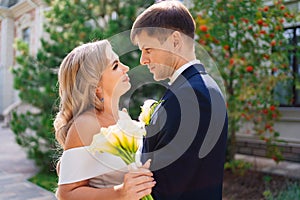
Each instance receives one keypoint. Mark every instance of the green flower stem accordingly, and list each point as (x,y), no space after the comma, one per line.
(129,158)
(148,197)
(125,156)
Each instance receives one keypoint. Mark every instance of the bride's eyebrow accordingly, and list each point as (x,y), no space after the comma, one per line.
(115,62)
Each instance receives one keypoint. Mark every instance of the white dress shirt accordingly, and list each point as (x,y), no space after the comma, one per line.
(181,69)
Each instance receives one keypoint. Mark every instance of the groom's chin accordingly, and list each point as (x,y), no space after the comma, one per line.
(158,78)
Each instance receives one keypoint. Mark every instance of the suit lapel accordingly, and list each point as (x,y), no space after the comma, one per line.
(186,74)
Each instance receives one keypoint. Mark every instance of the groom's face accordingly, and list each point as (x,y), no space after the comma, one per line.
(156,55)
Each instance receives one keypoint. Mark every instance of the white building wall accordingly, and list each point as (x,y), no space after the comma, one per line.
(24,14)
(6,62)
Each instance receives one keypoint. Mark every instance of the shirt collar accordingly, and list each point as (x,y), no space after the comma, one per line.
(181,69)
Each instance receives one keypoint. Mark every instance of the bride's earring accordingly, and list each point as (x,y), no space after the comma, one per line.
(99,95)
(99,92)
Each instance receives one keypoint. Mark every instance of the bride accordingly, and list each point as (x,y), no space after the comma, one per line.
(91,81)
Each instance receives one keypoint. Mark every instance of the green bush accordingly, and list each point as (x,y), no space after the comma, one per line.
(246,40)
(47,181)
(238,167)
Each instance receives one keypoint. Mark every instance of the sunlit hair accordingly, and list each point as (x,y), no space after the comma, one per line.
(162,18)
(78,77)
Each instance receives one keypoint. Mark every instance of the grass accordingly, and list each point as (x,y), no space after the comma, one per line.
(45,180)
(291,192)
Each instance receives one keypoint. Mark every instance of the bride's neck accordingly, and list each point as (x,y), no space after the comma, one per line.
(111,106)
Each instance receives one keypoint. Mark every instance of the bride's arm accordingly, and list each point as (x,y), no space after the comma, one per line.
(137,184)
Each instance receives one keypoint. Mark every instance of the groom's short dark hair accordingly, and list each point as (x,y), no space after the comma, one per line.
(163,17)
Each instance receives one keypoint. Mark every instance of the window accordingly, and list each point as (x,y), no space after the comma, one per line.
(288,92)
(26,35)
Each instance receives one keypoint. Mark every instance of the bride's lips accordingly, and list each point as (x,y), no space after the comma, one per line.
(126,78)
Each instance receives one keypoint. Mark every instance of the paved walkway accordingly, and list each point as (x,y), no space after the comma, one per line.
(15,169)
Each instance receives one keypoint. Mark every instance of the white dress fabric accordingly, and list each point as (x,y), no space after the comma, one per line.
(102,169)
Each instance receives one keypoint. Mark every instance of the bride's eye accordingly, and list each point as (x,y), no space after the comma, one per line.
(115,66)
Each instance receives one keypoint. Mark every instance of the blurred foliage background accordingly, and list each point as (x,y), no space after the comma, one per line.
(244,38)
(68,24)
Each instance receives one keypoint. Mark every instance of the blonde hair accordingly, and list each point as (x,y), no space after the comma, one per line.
(78,77)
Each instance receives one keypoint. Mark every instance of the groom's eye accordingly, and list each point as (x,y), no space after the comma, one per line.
(148,50)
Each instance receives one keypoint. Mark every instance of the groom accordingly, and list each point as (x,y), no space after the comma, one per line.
(186,137)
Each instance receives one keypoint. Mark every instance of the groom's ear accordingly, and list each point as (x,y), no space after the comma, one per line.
(177,40)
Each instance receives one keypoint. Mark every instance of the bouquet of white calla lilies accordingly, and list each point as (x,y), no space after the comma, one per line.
(122,139)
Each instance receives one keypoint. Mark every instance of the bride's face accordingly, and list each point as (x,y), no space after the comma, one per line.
(115,80)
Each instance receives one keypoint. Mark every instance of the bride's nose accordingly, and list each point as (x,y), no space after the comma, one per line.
(125,68)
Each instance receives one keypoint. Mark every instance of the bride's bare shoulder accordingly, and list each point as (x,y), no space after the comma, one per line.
(82,130)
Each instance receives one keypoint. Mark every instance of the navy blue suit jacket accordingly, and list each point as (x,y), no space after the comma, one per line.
(186,139)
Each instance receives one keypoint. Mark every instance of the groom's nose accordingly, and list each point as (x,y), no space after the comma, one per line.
(144,60)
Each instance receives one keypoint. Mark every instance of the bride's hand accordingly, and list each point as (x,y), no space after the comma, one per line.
(137,183)
(146,165)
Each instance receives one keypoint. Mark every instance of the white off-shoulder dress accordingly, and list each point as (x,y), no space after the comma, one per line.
(102,169)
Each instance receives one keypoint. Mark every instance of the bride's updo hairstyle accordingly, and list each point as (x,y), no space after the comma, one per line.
(79,75)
